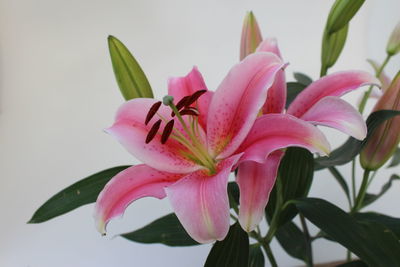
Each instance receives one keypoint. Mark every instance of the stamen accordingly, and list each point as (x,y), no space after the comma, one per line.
(182,102)
(194,97)
(153,131)
(167,131)
(153,110)
(189,111)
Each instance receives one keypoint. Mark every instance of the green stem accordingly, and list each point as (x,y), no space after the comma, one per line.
(265,246)
(361,192)
(368,93)
(309,261)
(353,180)
(273,226)
(269,253)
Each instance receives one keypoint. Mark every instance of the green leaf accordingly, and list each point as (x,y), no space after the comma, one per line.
(332,46)
(391,223)
(341,13)
(295,176)
(352,147)
(233,251)
(371,242)
(256,256)
(233,191)
(80,193)
(292,240)
(342,182)
(293,89)
(370,198)
(166,230)
(130,77)
(395,158)
(302,78)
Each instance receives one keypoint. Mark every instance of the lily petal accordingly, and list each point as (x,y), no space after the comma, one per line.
(275,131)
(269,45)
(237,101)
(180,87)
(276,98)
(255,182)
(334,112)
(201,202)
(127,186)
(129,129)
(335,84)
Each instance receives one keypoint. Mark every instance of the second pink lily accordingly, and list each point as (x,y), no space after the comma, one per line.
(318,104)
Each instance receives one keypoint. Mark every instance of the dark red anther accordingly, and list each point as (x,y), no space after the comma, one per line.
(167,131)
(153,131)
(194,97)
(190,111)
(153,110)
(181,104)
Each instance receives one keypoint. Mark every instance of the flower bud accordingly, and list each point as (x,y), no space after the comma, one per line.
(393,46)
(341,13)
(384,140)
(251,35)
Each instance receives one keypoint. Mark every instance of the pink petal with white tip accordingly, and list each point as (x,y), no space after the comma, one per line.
(334,112)
(335,84)
(127,186)
(200,202)
(255,182)
(275,131)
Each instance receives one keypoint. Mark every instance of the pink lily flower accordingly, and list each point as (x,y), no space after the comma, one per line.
(190,146)
(318,104)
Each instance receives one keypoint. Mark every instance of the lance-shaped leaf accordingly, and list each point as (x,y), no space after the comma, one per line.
(233,251)
(370,198)
(256,256)
(292,240)
(352,147)
(166,230)
(130,77)
(293,89)
(341,13)
(80,193)
(302,78)
(391,223)
(342,182)
(371,242)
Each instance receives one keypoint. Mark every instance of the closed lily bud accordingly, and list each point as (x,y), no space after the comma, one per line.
(341,13)
(383,142)
(251,35)
(393,46)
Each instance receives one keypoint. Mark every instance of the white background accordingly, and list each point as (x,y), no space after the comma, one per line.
(57,93)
